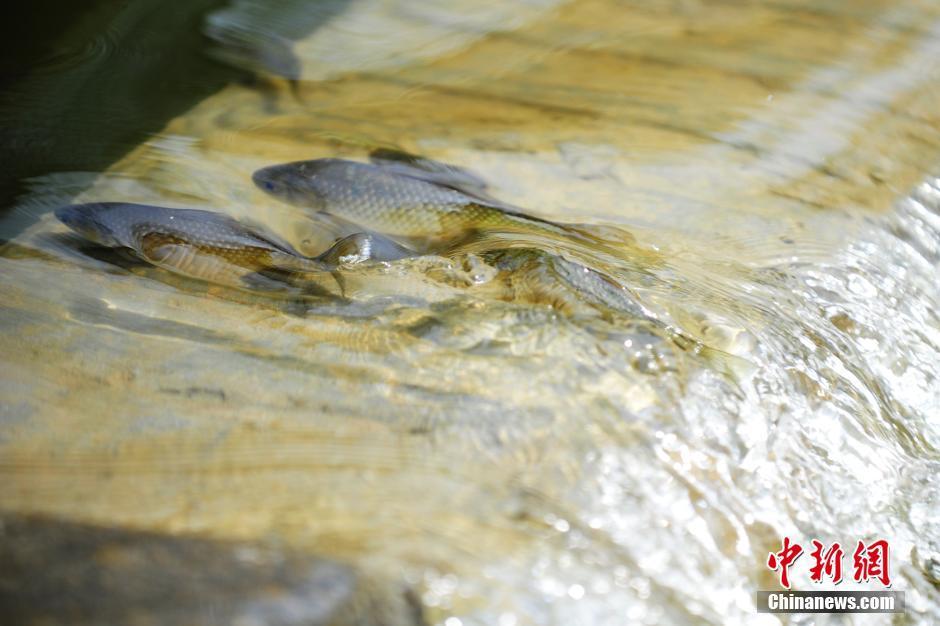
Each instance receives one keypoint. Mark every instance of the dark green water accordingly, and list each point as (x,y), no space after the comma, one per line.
(82,83)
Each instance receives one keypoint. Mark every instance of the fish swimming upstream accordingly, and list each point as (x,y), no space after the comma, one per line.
(204,245)
(427,206)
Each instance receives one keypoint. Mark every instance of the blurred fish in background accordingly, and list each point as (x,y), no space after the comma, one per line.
(317,40)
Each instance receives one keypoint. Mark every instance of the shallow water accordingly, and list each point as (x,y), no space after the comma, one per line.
(511,440)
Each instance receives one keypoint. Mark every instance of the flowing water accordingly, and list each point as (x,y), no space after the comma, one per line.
(502,434)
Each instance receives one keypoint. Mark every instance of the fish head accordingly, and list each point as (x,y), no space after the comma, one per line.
(311,184)
(90,221)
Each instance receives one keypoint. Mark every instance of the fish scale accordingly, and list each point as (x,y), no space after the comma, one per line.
(432,207)
(195,243)
(393,203)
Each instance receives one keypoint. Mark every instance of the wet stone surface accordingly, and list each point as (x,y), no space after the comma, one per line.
(56,572)
(511,438)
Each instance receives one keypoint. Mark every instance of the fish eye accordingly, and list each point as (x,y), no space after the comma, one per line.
(269,185)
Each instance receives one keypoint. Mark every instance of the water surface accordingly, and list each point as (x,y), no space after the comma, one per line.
(489,432)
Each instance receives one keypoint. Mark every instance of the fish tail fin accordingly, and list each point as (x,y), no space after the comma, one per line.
(608,234)
(340,282)
(295,86)
(557,239)
(734,368)
(308,271)
(298,263)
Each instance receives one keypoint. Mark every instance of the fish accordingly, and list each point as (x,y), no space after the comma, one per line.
(206,245)
(400,199)
(571,288)
(427,206)
(260,35)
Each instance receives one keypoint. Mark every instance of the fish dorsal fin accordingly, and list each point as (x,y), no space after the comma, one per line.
(429,170)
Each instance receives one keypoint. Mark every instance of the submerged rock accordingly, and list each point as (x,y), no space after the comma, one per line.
(58,572)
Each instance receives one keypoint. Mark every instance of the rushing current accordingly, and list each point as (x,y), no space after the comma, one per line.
(694,313)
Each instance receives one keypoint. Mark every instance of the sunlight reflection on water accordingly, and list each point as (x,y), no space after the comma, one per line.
(517,443)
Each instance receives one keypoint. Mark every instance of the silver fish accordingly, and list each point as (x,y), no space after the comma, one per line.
(202,244)
(434,207)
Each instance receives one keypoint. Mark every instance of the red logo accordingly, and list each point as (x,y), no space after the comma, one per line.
(872,562)
(869,561)
(828,563)
(784,559)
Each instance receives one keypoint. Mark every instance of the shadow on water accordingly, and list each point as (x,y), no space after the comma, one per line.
(106,575)
(81,84)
